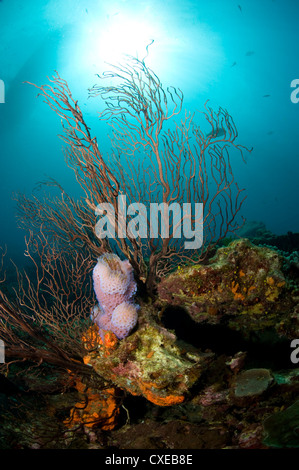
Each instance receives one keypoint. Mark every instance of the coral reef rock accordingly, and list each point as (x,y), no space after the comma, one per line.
(251,384)
(243,285)
(149,363)
(282,428)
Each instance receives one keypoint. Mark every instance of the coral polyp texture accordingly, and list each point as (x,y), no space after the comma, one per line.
(115,287)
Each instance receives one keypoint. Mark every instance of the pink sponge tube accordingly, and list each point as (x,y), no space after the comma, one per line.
(114,286)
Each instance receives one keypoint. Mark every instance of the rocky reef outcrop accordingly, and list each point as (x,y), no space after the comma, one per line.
(243,287)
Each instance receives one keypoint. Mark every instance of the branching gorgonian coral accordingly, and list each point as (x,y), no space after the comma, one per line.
(154,161)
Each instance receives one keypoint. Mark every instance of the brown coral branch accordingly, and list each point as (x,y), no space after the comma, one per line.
(148,163)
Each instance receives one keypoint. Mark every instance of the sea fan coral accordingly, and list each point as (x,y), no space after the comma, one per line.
(114,286)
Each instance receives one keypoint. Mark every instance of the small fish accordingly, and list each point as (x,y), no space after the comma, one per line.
(216,133)
(249,53)
(235,63)
(270,133)
(266,96)
(86,10)
(240,8)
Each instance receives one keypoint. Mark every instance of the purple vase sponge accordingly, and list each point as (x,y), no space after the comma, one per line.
(114,286)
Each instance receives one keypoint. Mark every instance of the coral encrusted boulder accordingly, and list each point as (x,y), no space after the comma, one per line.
(148,363)
(243,286)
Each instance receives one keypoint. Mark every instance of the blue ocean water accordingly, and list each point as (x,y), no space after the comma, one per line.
(241,55)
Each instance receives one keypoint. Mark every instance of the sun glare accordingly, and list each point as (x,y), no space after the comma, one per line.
(119,36)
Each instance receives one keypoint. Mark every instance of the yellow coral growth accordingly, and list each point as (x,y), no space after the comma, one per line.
(234,289)
(273,291)
(251,288)
(110,343)
(270,281)
(91,338)
(150,391)
(95,408)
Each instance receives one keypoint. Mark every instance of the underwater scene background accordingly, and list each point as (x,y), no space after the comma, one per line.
(139,346)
